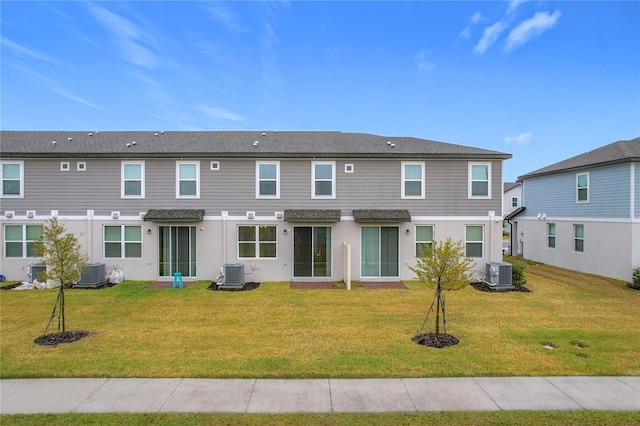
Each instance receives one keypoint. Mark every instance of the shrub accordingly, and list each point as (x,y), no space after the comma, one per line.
(635,284)
(517,276)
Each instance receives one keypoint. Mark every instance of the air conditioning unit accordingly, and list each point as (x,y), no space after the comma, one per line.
(499,273)
(92,276)
(36,272)
(232,275)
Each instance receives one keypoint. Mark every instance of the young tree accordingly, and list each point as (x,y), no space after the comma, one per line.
(61,254)
(443,266)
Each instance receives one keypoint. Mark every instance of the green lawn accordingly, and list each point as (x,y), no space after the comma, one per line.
(275,332)
(511,418)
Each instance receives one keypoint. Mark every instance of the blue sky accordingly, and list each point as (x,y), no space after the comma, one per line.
(542,80)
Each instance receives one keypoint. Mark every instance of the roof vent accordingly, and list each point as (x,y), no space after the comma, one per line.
(90,134)
(70,139)
(54,143)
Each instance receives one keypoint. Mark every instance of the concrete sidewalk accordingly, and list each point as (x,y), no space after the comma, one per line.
(319,395)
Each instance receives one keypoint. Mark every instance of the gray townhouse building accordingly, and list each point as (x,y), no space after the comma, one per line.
(287,205)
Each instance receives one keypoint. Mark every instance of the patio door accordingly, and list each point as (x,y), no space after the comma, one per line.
(312,251)
(380,254)
(177,250)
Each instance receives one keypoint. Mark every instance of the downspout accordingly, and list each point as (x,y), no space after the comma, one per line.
(225,215)
(90,234)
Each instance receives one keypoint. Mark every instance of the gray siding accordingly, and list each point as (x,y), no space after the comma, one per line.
(555,195)
(375,184)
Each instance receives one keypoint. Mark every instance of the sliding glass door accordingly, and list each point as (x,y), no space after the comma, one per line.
(177,250)
(311,251)
(380,254)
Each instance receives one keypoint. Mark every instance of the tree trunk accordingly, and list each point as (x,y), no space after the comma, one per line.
(438,310)
(62,307)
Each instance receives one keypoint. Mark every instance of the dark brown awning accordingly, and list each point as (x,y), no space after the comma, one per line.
(174,215)
(324,216)
(515,213)
(381,216)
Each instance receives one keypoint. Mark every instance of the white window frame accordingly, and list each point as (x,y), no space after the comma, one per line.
(587,188)
(466,242)
(65,166)
(471,180)
(313,179)
(549,235)
(24,241)
(2,179)
(197,180)
(123,180)
(123,242)
(258,180)
(576,238)
(404,180)
(256,242)
(416,241)
(81,166)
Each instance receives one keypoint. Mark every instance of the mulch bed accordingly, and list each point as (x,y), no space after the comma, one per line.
(435,340)
(97,287)
(245,287)
(10,286)
(54,339)
(168,284)
(387,285)
(481,286)
(312,286)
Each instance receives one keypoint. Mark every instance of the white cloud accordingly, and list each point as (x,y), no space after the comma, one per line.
(466,33)
(220,113)
(477,17)
(130,38)
(533,27)
(521,139)
(513,5)
(424,64)
(23,51)
(224,16)
(489,36)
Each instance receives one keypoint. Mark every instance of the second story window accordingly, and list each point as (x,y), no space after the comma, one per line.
(132,179)
(188,179)
(324,180)
(514,202)
(268,179)
(412,180)
(12,179)
(582,187)
(479,180)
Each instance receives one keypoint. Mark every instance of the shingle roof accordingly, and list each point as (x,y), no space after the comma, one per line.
(510,185)
(195,144)
(174,215)
(614,153)
(312,216)
(381,216)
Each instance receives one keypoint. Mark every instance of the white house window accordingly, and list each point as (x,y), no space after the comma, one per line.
(123,241)
(551,235)
(13,179)
(268,179)
(81,166)
(324,178)
(412,180)
(65,166)
(424,238)
(257,242)
(479,180)
(578,238)
(474,240)
(188,179)
(582,187)
(22,240)
(132,179)
(514,202)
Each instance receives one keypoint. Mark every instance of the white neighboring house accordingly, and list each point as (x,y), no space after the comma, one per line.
(511,201)
(583,213)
